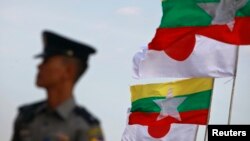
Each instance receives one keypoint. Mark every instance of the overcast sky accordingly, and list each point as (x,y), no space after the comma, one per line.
(117,29)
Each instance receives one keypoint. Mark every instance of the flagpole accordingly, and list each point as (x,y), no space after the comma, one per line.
(233,87)
(196,133)
(205,137)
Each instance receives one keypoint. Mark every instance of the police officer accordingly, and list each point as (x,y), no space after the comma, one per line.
(58,118)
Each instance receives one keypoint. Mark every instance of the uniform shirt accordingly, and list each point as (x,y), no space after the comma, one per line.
(68,122)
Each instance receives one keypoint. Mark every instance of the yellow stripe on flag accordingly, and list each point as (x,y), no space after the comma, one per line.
(177,88)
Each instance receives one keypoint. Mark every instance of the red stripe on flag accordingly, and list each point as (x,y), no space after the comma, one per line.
(179,43)
(150,119)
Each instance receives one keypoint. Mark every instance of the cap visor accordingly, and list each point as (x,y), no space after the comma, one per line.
(42,55)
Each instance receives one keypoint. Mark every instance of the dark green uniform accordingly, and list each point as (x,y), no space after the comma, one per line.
(37,122)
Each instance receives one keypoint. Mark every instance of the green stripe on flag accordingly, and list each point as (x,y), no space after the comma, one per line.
(183,13)
(179,13)
(196,101)
(146,105)
(244,11)
(204,1)
(190,1)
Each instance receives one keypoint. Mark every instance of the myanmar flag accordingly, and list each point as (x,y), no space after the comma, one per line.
(163,107)
(223,20)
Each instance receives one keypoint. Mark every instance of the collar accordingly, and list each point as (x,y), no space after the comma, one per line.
(63,110)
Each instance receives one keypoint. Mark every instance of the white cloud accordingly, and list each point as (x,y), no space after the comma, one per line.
(129,11)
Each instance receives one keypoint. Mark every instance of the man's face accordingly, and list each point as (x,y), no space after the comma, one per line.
(51,72)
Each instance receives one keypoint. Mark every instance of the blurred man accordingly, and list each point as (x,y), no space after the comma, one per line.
(58,118)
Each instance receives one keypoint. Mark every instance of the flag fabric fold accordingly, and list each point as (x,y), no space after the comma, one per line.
(210,58)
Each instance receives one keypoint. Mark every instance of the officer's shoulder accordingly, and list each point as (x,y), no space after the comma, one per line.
(30,107)
(27,112)
(86,115)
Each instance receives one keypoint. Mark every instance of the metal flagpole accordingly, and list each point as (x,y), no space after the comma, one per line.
(196,133)
(233,87)
(205,137)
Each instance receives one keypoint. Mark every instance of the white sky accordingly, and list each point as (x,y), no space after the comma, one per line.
(117,29)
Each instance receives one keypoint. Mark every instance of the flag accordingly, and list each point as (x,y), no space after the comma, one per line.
(158,107)
(210,58)
(223,20)
(178,132)
(202,12)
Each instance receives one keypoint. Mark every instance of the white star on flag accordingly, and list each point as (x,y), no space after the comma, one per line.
(169,107)
(223,12)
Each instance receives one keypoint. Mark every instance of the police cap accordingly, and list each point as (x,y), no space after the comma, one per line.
(55,44)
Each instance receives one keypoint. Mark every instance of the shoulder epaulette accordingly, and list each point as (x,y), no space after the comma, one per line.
(86,115)
(27,112)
